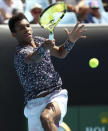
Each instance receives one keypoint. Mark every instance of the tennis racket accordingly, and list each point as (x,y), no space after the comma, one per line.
(51,16)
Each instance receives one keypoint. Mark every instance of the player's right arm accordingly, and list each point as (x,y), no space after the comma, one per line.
(62,51)
(37,54)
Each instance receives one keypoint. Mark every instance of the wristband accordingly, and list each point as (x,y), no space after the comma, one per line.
(68,45)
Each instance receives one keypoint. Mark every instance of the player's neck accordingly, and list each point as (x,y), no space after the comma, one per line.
(31,43)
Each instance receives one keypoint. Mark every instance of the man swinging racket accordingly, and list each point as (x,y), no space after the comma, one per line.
(45,100)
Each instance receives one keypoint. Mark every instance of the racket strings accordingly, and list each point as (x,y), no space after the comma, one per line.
(52,16)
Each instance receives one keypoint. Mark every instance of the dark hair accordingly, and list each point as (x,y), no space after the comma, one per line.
(14,19)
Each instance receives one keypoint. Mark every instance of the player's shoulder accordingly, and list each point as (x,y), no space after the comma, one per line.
(26,49)
(20,47)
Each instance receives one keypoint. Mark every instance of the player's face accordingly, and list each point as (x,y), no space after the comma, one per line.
(23,32)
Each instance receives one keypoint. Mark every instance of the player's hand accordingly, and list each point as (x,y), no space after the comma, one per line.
(49,44)
(76,33)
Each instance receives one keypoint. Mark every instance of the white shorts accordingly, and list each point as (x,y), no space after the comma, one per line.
(34,108)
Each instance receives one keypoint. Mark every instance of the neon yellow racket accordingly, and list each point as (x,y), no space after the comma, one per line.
(51,16)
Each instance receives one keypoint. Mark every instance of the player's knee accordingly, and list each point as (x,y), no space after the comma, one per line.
(45,119)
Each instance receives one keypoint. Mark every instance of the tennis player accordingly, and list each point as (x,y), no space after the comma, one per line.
(45,100)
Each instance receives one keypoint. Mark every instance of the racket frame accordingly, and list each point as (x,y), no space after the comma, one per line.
(51,34)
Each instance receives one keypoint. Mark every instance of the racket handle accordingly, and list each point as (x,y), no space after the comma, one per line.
(51,36)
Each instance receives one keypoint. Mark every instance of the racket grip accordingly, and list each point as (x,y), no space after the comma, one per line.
(51,36)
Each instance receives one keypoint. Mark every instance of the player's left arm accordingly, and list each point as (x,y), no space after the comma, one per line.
(72,37)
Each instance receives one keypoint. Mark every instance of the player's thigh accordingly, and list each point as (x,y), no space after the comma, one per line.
(52,112)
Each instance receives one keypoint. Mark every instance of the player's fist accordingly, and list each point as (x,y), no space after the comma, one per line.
(48,44)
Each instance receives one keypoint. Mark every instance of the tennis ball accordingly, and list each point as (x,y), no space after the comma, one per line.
(93,62)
